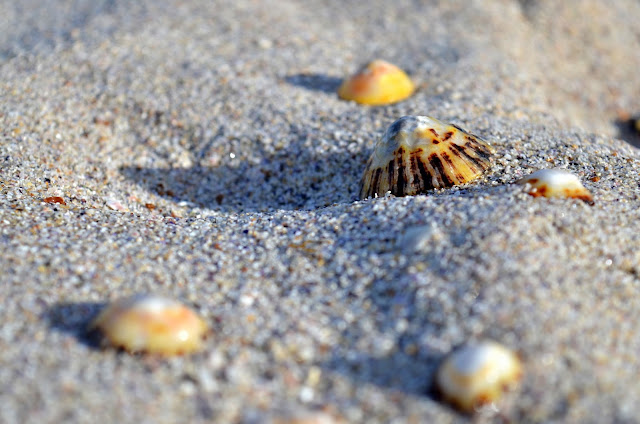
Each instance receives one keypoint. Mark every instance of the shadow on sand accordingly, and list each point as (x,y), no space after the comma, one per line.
(628,132)
(74,319)
(315,82)
(277,181)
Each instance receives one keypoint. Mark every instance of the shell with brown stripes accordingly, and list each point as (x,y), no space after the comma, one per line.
(420,153)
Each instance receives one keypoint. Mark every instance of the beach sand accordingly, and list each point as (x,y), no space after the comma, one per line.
(202,153)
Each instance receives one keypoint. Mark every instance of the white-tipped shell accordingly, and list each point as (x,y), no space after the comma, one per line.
(556,183)
(478,374)
(151,324)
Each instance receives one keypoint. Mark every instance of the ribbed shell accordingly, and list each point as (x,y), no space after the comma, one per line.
(419,153)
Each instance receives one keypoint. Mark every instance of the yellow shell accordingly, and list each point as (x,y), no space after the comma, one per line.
(152,324)
(378,83)
(556,183)
(420,153)
(477,375)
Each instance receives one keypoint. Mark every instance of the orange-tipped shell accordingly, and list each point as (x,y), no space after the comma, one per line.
(556,183)
(419,153)
(378,83)
(152,324)
(478,374)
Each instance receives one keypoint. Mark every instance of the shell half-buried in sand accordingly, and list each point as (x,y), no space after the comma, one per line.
(151,324)
(378,83)
(478,374)
(419,153)
(556,183)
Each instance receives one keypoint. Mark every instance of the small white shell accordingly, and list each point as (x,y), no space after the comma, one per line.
(478,374)
(556,183)
(151,324)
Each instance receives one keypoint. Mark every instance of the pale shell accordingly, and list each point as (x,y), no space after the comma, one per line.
(306,418)
(478,374)
(556,183)
(419,153)
(378,83)
(151,324)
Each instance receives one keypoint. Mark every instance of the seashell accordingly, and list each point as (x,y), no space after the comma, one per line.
(378,83)
(556,183)
(151,324)
(311,417)
(478,374)
(420,153)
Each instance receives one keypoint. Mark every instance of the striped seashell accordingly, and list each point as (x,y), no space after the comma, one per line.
(420,153)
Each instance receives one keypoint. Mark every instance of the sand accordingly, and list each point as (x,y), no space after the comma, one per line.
(201,153)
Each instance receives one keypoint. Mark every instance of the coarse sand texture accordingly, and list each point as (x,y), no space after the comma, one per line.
(200,152)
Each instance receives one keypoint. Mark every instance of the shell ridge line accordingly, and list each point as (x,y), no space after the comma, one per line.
(430,173)
(365,181)
(452,167)
(417,181)
(443,177)
(401,183)
(391,173)
(480,147)
(376,180)
(425,176)
(474,162)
